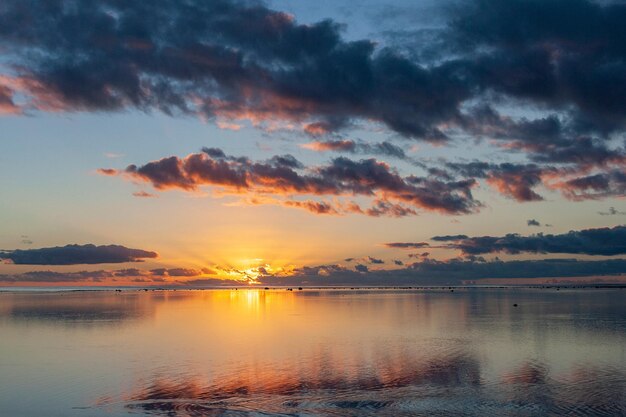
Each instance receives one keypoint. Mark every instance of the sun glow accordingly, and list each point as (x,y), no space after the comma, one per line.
(248,271)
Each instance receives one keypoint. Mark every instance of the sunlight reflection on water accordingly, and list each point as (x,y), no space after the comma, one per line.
(314,352)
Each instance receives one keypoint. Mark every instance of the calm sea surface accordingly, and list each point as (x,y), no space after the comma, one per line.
(307,353)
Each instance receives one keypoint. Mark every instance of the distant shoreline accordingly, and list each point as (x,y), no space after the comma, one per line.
(446,288)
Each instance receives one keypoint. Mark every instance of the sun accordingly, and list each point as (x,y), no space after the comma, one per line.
(250,270)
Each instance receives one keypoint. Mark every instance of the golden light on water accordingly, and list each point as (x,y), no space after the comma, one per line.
(290,352)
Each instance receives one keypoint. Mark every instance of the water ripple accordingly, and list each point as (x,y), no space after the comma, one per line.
(451,386)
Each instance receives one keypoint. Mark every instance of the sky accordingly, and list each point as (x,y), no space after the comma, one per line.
(312,143)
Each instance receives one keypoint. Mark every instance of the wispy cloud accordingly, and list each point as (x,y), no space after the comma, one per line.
(612,211)
(143,194)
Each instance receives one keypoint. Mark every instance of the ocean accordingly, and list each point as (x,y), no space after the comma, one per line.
(313,352)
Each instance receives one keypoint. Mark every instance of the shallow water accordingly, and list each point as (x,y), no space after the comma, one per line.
(305,353)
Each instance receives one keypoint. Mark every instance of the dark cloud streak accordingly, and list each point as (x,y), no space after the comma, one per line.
(602,241)
(102,277)
(76,254)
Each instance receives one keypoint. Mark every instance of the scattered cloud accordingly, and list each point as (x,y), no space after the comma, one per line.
(520,181)
(391,193)
(612,211)
(373,260)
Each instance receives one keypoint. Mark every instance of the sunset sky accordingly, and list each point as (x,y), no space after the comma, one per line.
(292,142)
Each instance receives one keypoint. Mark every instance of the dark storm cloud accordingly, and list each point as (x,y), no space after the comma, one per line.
(76,254)
(235,58)
(391,193)
(564,57)
(232,59)
(571,152)
(549,139)
(561,53)
(241,60)
(601,241)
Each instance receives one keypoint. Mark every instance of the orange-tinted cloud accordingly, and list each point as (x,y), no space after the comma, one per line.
(333,145)
(7,105)
(313,206)
(391,194)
